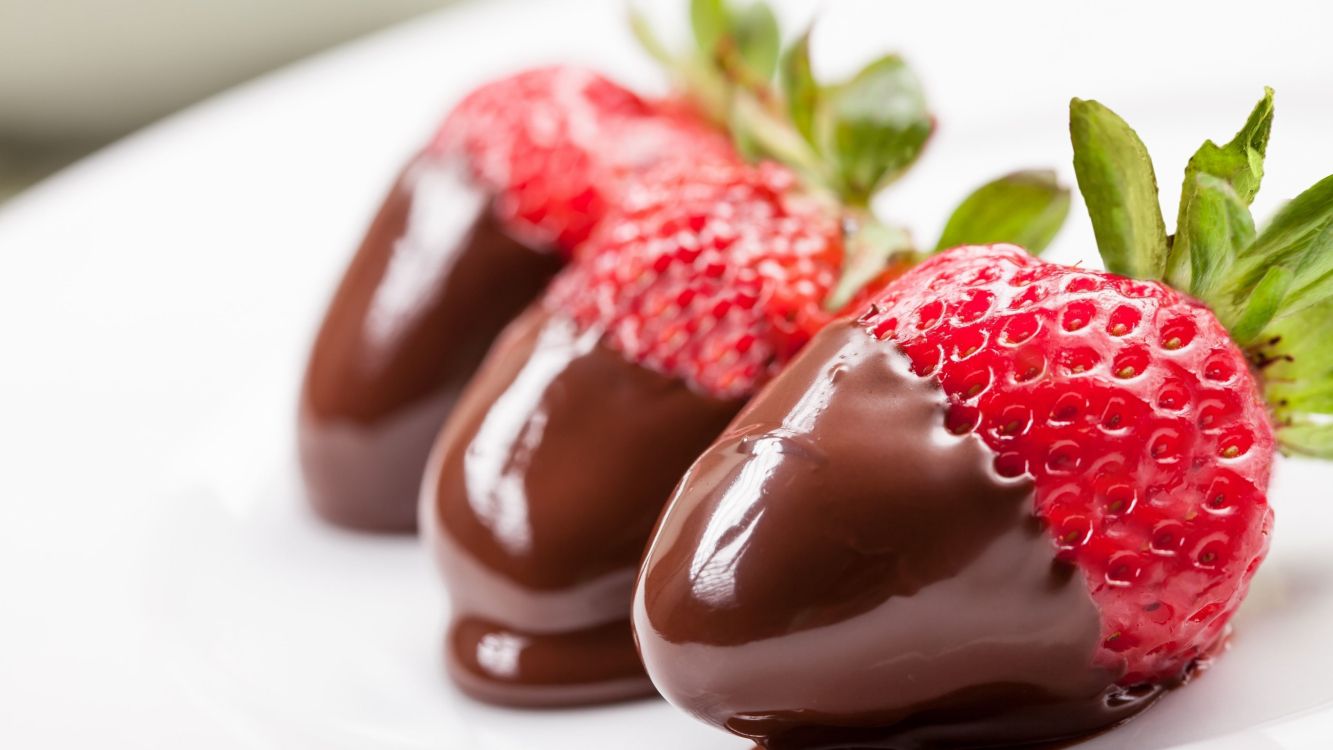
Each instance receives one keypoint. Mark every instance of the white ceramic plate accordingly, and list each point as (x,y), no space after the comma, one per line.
(161,584)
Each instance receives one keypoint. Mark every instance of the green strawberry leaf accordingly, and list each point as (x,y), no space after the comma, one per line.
(1240,163)
(848,139)
(1024,208)
(1115,175)
(1300,235)
(879,123)
(1296,363)
(1277,301)
(754,30)
(728,34)
(1299,239)
(799,87)
(1217,224)
(1263,303)
(709,21)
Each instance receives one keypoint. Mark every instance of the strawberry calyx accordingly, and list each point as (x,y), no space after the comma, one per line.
(1270,287)
(847,140)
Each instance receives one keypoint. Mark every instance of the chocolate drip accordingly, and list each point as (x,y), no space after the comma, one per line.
(538,502)
(837,571)
(434,281)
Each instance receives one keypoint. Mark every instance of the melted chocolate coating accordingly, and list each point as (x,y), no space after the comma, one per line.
(538,502)
(434,282)
(837,571)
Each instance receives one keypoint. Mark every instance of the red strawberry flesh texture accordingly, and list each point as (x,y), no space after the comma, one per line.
(1135,414)
(713,271)
(554,143)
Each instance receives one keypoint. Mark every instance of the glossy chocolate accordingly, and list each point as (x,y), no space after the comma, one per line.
(837,571)
(434,282)
(538,502)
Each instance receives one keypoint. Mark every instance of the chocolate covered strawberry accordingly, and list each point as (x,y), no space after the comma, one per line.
(1010,501)
(699,285)
(471,232)
(547,478)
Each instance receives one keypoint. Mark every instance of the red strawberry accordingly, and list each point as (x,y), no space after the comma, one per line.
(1134,413)
(705,277)
(1012,501)
(552,144)
(470,234)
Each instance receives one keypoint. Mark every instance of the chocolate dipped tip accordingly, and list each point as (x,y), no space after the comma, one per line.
(434,281)
(538,501)
(838,571)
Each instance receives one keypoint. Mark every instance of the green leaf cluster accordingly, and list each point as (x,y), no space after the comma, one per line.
(1272,287)
(848,139)
(870,128)
(851,137)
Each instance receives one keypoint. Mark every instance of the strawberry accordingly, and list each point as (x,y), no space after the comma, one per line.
(1134,413)
(470,233)
(1008,501)
(705,277)
(591,406)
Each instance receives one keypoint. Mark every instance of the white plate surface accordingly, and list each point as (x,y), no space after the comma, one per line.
(161,584)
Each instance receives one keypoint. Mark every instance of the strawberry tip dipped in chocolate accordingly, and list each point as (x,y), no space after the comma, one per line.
(1007,502)
(472,230)
(693,291)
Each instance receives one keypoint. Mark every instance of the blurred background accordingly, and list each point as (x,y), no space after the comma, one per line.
(78,74)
